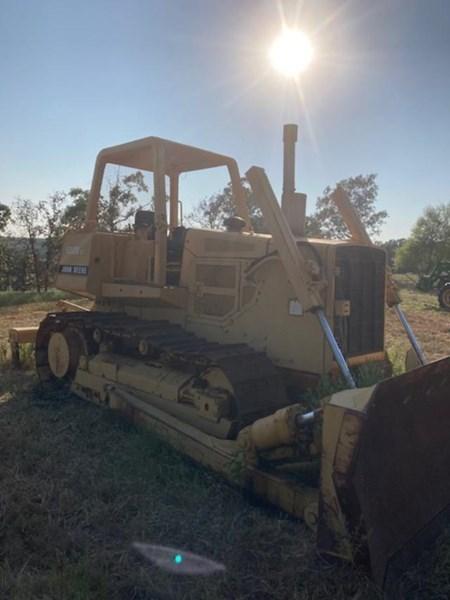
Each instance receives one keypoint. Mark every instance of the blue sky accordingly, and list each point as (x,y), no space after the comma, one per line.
(80,75)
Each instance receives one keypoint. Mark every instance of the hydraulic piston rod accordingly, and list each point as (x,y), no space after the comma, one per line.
(410,333)
(337,352)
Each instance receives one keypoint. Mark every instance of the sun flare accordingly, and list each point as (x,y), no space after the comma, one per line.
(291,53)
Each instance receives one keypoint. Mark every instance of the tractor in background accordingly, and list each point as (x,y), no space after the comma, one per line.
(439,279)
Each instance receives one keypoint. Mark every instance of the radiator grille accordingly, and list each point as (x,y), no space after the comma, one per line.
(360,279)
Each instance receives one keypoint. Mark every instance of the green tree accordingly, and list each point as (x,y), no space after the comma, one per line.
(41,226)
(312,226)
(5,216)
(26,217)
(392,247)
(211,212)
(52,229)
(75,212)
(121,202)
(429,241)
(362,192)
(325,222)
(115,208)
(15,264)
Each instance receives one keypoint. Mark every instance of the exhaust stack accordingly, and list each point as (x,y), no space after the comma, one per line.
(293,204)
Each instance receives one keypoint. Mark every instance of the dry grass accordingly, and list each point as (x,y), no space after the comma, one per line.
(430,323)
(79,485)
(12,298)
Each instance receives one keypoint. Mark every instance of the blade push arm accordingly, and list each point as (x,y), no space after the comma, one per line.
(291,256)
(294,262)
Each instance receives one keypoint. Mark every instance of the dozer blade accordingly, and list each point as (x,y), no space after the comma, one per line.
(401,473)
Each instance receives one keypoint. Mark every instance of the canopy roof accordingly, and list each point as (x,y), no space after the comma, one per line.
(178,158)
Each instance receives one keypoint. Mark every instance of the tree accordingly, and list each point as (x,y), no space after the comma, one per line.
(392,247)
(5,216)
(27,217)
(211,212)
(120,204)
(51,213)
(312,226)
(325,222)
(15,260)
(75,213)
(429,241)
(42,227)
(362,192)
(15,264)
(114,210)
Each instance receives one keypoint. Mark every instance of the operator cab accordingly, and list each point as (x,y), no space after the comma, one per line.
(113,264)
(167,160)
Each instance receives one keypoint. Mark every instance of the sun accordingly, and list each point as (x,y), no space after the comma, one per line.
(291,53)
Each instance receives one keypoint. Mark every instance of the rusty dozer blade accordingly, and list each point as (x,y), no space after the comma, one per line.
(401,473)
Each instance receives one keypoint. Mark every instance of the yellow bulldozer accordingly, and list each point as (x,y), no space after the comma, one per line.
(212,338)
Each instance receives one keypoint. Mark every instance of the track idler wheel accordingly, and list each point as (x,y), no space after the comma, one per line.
(64,350)
(58,353)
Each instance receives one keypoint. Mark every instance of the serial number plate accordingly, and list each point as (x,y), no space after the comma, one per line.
(73,269)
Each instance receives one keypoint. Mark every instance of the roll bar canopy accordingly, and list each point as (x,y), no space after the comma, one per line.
(163,157)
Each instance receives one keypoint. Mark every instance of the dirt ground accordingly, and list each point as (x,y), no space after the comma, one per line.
(27,315)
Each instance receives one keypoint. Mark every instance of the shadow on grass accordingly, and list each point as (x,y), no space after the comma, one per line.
(80,484)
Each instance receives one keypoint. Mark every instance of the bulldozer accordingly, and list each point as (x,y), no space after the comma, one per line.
(212,339)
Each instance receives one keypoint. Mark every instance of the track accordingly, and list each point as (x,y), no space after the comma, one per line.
(258,387)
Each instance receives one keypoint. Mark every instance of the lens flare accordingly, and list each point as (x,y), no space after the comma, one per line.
(177,561)
(291,53)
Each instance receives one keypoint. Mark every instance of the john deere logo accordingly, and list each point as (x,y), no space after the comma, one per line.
(73,269)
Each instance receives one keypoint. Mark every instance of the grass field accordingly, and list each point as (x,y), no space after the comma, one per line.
(18,298)
(430,323)
(78,485)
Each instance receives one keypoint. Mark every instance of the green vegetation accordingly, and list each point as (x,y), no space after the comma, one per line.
(365,376)
(429,242)
(362,191)
(13,298)
(396,354)
(326,221)
(26,356)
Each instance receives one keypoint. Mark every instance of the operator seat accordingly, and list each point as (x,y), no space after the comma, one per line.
(144,224)
(234,224)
